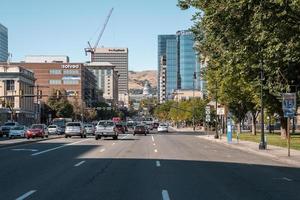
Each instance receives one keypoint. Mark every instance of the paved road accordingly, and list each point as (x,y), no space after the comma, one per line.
(157,166)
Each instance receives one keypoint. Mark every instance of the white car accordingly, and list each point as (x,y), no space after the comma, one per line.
(54,129)
(106,129)
(162,128)
(75,129)
(17,131)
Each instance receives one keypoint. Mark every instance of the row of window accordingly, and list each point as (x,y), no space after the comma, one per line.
(65,82)
(59,71)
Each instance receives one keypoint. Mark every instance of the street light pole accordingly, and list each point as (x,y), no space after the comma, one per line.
(193,101)
(216,134)
(262,144)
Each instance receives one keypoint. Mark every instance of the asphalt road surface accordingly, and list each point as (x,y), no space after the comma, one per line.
(153,167)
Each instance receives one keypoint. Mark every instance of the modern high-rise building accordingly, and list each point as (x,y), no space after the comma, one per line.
(3,44)
(119,58)
(182,67)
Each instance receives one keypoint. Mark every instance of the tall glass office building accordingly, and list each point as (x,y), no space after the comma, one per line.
(3,43)
(181,61)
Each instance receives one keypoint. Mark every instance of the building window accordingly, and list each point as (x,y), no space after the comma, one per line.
(55,71)
(55,82)
(71,82)
(71,71)
(10,85)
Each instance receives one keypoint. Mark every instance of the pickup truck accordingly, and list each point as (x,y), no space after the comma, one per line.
(4,130)
(106,129)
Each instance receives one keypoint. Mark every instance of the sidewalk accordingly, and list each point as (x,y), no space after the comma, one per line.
(274,152)
(5,142)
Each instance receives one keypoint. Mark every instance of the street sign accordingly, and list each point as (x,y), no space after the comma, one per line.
(289,104)
(221,111)
(207,113)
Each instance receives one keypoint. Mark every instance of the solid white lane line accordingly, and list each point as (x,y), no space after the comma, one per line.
(154,144)
(59,147)
(102,150)
(26,195)
(157,163)
(165,195)
(152,138)
(25,150)
(80,163)
(155,150)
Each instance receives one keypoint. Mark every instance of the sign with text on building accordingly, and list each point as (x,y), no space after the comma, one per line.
(289,104)
(221,111)
(70,66)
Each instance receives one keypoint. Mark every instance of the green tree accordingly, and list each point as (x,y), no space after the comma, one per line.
(59,103)
(243,37)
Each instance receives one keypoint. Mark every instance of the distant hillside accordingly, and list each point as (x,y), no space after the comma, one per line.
(137,79)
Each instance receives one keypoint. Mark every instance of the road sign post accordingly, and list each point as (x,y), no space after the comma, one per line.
(289,111)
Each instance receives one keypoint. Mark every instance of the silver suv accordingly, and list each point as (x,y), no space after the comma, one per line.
(106,129)
(74,129)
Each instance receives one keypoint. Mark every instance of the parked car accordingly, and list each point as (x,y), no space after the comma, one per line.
(89,129)
(162,128)
(140,129)
(17,131)
(120,128)
(6,128)
(54,129)
(106,129)
(37,130)
(75,129)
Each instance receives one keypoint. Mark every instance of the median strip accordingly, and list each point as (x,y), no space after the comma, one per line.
(26,195)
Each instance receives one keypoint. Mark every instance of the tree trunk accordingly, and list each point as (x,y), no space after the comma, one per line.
(283,127)
(239,127)
(253,123)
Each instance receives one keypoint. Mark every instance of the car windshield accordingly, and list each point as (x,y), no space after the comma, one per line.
(140,127)
(10,124)
(88,126)
(18,128)
(52,126)
(37,126)
(105,123)
(73,124)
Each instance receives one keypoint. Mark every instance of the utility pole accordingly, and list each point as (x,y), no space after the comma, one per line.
(193,101)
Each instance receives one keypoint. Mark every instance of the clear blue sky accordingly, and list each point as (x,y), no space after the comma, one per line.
(63,27)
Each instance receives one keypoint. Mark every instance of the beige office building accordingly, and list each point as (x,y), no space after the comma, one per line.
(119,58)
(16,94)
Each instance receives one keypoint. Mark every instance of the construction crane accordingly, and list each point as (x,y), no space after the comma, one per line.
(91,49)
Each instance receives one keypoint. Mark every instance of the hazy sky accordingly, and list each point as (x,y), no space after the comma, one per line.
(63,27)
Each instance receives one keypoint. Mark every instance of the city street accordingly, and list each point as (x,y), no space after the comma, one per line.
(175,166)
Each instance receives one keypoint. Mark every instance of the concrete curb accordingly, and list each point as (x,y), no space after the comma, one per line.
(264,153)
(2,146)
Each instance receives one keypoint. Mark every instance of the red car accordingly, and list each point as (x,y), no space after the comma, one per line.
(37,130)
(120,128)
(140,129)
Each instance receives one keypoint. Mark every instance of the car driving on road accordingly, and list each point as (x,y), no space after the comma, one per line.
(75,129)
(37,130)
(4,130)
(140,129)
(106,129)
(17,131)
(54,129)
(89,129)
(162,128)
